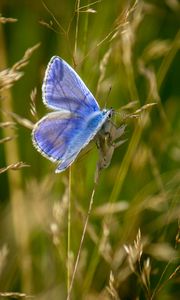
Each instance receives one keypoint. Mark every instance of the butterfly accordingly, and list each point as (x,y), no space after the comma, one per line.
(76,118)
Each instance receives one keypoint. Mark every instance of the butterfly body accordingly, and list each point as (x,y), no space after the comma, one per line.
(76,116)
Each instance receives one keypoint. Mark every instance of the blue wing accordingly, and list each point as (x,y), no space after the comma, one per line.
(60,136)
(63,89)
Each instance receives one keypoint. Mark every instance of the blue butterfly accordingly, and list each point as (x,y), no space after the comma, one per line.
(76,118)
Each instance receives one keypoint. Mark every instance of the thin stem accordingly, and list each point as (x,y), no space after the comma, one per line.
(69,233)
(85,31)
(77,27)
(81,242)
(115,192)
(54,18)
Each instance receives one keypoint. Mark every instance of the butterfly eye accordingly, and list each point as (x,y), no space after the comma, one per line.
(111,112)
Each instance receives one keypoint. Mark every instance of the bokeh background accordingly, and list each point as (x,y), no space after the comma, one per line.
(128,55)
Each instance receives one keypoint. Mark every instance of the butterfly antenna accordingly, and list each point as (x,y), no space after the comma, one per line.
(107,97)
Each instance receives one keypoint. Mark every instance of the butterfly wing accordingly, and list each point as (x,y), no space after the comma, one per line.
(60,136)
(63,89)
(52,134)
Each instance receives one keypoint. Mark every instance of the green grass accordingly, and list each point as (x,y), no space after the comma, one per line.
(128,55)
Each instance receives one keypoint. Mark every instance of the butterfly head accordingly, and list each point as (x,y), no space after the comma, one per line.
(108,112)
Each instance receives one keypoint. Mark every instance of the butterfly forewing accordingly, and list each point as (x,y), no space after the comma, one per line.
(64,89)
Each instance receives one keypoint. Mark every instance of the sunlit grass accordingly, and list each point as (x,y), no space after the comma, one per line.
(130,245)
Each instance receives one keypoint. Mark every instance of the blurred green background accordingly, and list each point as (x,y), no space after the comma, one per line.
(132,49)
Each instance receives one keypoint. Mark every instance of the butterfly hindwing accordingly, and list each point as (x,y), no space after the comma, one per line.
(60,136)
(53,133)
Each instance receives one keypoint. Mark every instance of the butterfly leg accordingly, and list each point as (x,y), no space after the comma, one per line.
(106,142)
(117,132)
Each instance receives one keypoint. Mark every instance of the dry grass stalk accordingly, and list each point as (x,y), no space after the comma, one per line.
(7,139)
(4,20)
(33,96)
(111,287)
(134,252)
(60,211)
(14,167)
(104,245)
(131,19)
(81,242)
(155,50)
(135,264)
(9,76)
(25,60)
(160,285)
(20,120)
(150,75)
(3,257)
(7,124)
(110,208)
(145,275)
(102,68)
(13,295)
(85,8)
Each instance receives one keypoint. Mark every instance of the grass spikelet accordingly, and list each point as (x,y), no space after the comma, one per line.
(7,124)
(14,167)
(25,59)
(20,120)
(9,76)
(134,252)
(6,139)
(4,20)
(13,295)
(33,96)
(111,288)
(145,275)
(102,69)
